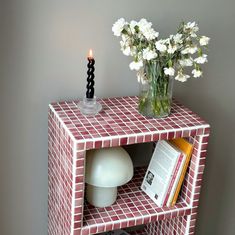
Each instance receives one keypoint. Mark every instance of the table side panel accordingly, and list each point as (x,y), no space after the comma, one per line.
(60,177)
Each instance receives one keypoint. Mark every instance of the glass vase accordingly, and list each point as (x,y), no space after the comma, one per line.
(155,96)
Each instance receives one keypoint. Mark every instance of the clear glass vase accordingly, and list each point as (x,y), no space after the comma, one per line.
(155,96)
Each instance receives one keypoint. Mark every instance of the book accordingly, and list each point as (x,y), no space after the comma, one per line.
(175,179)
(164,164)
(187,148)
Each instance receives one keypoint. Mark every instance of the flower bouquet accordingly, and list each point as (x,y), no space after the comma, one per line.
(159,61)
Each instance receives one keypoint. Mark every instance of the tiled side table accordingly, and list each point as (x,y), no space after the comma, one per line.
(71,134)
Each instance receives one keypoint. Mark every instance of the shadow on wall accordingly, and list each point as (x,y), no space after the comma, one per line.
(216,197)
(219,166)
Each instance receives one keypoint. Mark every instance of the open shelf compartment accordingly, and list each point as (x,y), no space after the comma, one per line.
(133,207)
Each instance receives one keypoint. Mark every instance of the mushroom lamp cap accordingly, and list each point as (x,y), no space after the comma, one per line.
(108,167)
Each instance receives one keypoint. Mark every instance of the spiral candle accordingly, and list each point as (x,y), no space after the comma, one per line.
(91,76)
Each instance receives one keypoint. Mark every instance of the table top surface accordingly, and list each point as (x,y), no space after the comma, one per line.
(119,117)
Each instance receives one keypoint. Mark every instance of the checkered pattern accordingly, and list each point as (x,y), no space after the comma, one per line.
(174,226)
(133,207)
(119,123)
(60,180)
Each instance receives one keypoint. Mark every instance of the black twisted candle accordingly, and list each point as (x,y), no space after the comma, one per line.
(90,78)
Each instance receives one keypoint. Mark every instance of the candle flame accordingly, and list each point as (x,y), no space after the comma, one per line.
(90,54)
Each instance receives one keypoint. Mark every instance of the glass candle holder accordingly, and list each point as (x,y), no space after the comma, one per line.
(89,106)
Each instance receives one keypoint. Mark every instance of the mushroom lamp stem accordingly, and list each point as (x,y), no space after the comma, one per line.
(101,196)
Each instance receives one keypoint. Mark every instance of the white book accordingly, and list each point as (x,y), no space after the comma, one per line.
(165,159)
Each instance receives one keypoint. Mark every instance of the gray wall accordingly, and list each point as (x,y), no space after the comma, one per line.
(43,59)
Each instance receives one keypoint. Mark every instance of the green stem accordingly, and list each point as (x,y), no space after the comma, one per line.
(155,101)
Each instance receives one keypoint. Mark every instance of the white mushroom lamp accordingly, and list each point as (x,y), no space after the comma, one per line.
(106,169)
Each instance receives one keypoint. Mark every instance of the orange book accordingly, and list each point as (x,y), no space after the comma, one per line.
(187,149)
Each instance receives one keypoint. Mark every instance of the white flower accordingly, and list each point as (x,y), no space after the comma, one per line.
(193,35)
(125,48)
(169,71)
(204,41)
(201,60)
(173,54)
(141,77)
(185,51)
(136,65)
(125,38)
(192,27)
(197,73)
(166,41)
(186,62)
(192,49)
(160,46)
(118,26)
(147,30)
(133,23)
(149,54)
(182,77)
(143,24)
(127,51)
(189,50)
(150,34)
(171,49)
(178,38)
